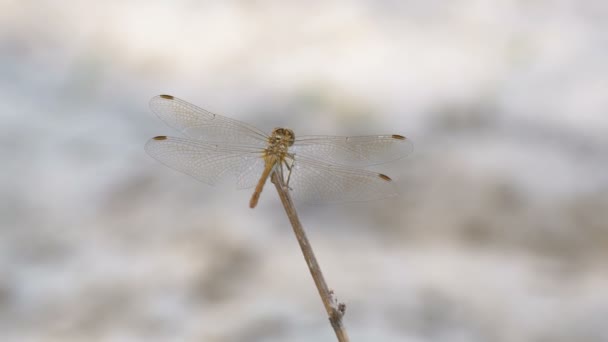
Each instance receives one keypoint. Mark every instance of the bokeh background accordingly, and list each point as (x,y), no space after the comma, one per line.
(500,234)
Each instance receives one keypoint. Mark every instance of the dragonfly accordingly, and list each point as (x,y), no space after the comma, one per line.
(317,168)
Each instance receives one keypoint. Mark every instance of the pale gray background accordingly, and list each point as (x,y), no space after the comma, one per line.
(501,233)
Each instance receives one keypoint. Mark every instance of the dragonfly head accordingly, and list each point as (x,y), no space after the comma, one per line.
(282,136)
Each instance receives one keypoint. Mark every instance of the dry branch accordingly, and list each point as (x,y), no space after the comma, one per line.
(335,310)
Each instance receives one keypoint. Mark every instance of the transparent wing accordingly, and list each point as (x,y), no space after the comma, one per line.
(357,151)
(206,162)
(315,181)
(249,176)
(200,124)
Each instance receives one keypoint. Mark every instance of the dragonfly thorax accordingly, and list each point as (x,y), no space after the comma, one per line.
(279,142)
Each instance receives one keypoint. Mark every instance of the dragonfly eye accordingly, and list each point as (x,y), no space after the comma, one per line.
(289,136)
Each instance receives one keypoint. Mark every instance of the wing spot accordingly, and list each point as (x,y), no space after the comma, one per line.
(384,177)
(398,137)
(166,97)
(160,137)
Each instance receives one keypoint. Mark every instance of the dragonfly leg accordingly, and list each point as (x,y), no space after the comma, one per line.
(279,169)
(289,168)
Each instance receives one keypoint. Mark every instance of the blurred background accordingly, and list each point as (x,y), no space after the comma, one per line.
(500,234)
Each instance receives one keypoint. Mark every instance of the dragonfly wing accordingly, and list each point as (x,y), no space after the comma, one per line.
(315,181)
(250,175)
(203,125)
(206,162)
(356,151)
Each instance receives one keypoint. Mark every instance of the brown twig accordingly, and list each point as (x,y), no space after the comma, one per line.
(335,310)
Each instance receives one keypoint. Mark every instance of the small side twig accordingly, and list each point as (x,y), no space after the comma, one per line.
(335,310)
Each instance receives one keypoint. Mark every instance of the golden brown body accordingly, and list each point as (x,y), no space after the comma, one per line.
(274,155)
